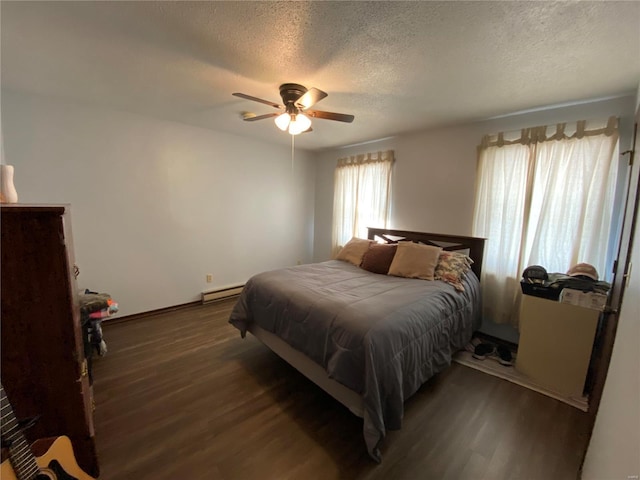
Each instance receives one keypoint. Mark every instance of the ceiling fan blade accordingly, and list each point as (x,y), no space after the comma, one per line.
(249,118)
(310,98)
(340,117)
(255,99)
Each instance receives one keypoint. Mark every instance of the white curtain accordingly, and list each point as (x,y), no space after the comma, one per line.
(362,196)
(499,217)
(543,200)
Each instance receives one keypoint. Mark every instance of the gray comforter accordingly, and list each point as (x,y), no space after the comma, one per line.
(379,335)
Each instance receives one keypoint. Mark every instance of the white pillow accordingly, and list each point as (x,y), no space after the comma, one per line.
(354,250)
(413,260)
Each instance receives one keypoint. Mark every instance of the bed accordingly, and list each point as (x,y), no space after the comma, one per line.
(369,340)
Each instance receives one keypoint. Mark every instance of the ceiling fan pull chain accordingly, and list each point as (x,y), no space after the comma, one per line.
(293,137)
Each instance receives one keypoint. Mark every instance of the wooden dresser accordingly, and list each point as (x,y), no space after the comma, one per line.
(43,366)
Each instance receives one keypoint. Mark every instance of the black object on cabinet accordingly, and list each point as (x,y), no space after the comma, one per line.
(43,364)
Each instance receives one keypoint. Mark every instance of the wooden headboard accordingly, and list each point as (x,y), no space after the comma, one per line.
(447,242)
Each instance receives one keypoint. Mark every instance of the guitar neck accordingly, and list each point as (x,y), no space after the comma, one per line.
(22,459)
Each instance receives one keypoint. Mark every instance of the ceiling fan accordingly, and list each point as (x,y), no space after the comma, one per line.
(296,101)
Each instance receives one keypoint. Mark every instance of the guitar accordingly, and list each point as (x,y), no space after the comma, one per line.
(58,463)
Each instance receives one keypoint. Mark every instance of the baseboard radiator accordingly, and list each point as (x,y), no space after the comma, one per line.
(221,294)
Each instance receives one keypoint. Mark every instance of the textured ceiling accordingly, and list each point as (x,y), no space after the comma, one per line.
(396,66)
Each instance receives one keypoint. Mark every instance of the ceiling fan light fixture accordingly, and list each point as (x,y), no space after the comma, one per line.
(282,121)
(293,123)
(299,123)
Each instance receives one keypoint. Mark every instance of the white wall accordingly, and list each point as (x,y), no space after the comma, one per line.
(156,205)
(614,449)
(434,175)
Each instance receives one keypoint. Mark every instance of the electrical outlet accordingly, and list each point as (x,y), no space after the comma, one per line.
(209,277)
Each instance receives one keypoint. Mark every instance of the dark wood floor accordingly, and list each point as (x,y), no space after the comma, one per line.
(181,396)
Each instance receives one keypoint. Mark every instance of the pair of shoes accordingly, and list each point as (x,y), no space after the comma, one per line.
(504,356)
(483,350)
(500,353)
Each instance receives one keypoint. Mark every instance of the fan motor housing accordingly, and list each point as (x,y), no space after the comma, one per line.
(290,92)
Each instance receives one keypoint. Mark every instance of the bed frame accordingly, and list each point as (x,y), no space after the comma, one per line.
(310,369)
(314,372)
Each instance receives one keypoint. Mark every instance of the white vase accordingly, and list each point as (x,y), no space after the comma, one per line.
(8,193)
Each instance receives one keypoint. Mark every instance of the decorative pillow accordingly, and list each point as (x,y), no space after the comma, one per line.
(452,268)
(413,260)
(354,250)
(378,257)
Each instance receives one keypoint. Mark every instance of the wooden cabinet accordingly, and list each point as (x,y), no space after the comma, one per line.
(556,341)
(43,366)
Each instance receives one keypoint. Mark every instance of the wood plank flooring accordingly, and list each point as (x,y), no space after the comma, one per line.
(181,396)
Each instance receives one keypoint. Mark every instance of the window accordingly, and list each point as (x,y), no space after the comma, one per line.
(543,200)
(362,195)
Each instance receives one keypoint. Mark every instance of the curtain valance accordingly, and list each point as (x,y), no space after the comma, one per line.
(367,158)
(561,131)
